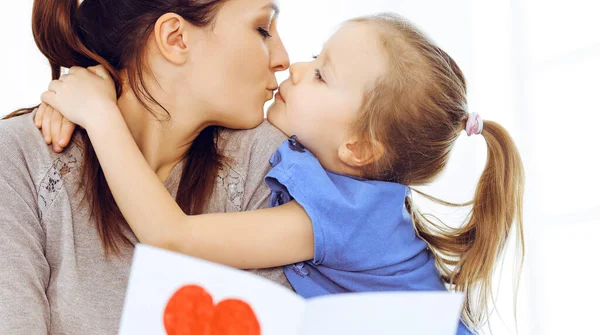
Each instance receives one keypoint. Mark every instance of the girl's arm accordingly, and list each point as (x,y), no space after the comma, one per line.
(257,239)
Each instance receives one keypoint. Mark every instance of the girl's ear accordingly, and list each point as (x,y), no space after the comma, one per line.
(359,153)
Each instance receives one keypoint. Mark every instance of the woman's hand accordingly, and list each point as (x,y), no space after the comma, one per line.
(82,96)
(55,128)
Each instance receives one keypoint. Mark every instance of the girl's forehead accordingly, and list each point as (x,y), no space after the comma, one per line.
(356,53)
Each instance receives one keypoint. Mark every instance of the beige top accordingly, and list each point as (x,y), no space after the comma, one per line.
(54,277)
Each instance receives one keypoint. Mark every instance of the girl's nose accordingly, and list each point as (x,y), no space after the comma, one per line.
(297,71)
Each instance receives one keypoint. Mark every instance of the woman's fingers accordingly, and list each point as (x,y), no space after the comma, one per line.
(56,122)
(66,132)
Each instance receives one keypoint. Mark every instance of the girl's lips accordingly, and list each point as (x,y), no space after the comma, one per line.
(279,96)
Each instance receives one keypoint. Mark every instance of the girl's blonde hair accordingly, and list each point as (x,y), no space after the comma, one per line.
(416,112)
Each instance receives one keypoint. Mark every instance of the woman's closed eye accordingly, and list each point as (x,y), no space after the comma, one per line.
(264,33)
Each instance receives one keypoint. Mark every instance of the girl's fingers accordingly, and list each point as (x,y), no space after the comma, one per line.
(39,114)
(100,71)
(55,130)
(49,99)
(66,132)
(46,125)
(64,77)
(74,69)
(54,86)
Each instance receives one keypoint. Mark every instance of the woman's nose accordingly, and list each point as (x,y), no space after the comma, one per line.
(280,60)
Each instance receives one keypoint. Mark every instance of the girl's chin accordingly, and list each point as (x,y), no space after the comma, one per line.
(271,112)
(274,118)
(271,116)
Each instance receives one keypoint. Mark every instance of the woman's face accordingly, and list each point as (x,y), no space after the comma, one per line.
(232,73)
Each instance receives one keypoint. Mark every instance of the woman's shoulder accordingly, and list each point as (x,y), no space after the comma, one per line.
(25,154)
(265,135)
(257,144)
(21,140)
(240,183)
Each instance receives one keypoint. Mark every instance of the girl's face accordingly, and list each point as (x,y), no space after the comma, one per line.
(233,68)
(322,98)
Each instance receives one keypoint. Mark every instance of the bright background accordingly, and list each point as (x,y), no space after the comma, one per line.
(531,65)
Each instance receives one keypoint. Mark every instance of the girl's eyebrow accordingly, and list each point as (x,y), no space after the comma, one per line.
(330,65)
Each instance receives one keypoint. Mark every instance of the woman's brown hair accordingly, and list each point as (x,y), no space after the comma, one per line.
(416,112)
(114,34)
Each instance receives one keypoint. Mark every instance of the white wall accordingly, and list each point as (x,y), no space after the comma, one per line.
(532,65)
(557,49)
(26,72)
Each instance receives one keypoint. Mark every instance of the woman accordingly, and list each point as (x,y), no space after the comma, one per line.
(184,70)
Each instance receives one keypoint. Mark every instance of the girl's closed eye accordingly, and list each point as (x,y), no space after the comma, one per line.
(319,76)
(318,72)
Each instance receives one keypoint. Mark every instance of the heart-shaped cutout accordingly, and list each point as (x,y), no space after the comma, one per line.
(191,311)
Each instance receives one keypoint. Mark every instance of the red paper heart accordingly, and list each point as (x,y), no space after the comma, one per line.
(191,311)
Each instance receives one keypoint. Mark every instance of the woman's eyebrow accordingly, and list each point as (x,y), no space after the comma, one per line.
(272,6)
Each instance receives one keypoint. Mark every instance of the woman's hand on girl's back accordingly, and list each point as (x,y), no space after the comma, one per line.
(80,97)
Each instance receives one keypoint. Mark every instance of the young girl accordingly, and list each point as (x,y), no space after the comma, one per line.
(377,110)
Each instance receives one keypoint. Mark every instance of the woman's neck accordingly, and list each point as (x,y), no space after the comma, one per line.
(162,143)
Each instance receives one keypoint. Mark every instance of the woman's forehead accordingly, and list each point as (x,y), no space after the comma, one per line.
(254,6)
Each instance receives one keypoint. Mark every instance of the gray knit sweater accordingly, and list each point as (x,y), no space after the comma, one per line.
(54,276)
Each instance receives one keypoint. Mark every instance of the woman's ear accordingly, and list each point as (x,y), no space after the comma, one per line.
(358,153)
(171,36)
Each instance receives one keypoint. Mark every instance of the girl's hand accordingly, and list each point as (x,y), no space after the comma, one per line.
(83,95)
(55,128)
